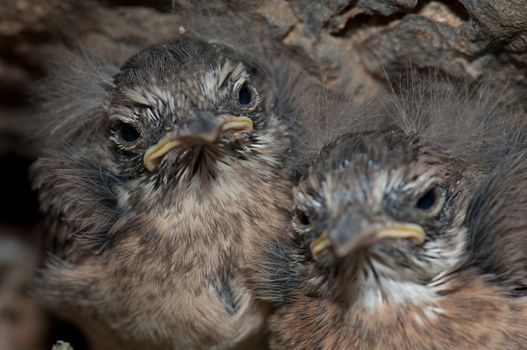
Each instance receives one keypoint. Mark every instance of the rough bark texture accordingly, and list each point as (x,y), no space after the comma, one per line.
(353,43)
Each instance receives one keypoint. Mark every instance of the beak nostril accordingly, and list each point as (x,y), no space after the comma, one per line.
(201,123)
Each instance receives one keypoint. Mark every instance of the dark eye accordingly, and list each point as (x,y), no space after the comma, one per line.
(428,200)
(303,218)
(245,95)
(127,132)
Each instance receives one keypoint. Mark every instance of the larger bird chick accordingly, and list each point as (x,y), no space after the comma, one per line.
(154,185)
(410,236)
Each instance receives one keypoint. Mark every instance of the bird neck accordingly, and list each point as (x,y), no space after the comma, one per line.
(375,292)
(371,285)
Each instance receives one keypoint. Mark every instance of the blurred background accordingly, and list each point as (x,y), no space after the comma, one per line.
(350,42)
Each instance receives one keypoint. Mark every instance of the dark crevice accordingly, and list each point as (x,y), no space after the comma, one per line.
(331,22)
(364,20)
(174,6)
(457,8)
(159,5)
(67,332)
(367,21)
(19,203)
(15,95)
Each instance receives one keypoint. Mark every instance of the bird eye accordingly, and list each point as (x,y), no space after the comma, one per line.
(302,217)
(245,95)
(127,132)
(428,200)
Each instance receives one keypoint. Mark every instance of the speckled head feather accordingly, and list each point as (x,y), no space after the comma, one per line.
(390,246)
(157,177)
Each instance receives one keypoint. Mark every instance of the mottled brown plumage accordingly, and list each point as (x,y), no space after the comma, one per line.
(158,177)
(407,236)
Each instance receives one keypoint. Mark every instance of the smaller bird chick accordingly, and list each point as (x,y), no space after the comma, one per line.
(410,236)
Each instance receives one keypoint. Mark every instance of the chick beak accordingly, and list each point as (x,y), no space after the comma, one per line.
(344,239)
(319,245)
(200,131)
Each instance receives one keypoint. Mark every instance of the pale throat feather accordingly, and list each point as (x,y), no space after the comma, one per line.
(379,285)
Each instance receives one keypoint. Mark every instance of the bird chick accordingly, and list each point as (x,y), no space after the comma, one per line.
(154,185)
(410,236)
